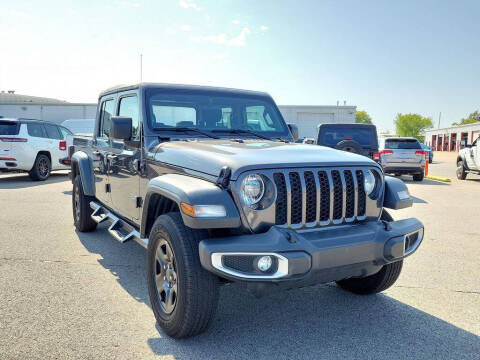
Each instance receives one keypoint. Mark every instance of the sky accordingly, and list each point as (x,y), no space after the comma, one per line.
(385,57)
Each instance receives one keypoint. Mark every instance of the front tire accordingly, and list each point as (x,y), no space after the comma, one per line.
(183,295)
(81,208)
(41,168)
(461,173)
(378,282)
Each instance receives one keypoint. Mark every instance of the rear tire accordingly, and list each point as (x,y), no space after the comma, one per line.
(461,173)
(81,208)
(378,282)
(41,168)
(183,294)
(418,177)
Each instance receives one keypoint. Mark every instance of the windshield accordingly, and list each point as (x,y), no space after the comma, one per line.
(212,112)
(402,144)
(331,136)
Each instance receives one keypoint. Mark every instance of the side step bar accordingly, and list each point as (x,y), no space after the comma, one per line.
(119,229)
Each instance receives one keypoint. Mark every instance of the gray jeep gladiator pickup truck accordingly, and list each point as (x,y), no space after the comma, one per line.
(210,182)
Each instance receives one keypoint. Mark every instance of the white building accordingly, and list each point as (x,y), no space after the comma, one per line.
(33,107)
(308,117)
(450,139)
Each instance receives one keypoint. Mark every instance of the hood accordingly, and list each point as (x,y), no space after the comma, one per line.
(209,156)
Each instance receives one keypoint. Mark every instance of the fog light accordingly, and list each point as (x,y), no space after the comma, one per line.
(264,263)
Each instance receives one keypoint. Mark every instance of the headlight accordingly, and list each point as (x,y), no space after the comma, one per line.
(369,182)
(252,189)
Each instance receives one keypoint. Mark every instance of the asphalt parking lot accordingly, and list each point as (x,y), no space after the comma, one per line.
(69,295)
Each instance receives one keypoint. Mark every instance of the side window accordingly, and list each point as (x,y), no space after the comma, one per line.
(129,107)
(258,118)
(52,132)
(64,132)
(36,130)
(105,118)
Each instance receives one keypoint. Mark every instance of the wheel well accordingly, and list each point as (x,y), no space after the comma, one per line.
(459,159)
(45,153)
(158,205)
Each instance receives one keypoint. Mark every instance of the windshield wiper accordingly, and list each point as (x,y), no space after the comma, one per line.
(241,131)
(185,129)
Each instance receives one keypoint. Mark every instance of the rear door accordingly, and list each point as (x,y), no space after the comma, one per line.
(404,151)
(54,138)
(101,149)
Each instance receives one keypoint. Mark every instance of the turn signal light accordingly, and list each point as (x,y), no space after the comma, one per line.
(203,211)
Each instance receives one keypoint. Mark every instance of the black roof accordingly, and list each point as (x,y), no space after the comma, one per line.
(347,125)
(120,88)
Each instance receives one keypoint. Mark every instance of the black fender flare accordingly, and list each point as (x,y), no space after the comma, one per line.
(194,191)
(396,194)
(82,165)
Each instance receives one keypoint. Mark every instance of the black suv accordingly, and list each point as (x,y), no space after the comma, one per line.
(356,138)
(210,181)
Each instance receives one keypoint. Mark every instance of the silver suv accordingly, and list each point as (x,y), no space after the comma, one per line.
(402,156)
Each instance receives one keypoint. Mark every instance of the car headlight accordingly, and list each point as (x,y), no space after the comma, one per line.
(252,189)
(368,182)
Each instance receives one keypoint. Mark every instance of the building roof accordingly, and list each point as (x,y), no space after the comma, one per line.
(12,98)
(475,124)
(183,87)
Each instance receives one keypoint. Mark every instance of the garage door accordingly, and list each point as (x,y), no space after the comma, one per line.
(307,123)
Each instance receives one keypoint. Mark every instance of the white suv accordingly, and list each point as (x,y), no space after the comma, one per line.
(34,146)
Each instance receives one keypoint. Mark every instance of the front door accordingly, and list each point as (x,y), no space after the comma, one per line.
(124,161)
(101,149)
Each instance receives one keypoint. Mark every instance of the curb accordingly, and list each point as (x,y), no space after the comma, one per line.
(438,178)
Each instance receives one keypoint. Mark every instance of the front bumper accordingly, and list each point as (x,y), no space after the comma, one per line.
(314,256)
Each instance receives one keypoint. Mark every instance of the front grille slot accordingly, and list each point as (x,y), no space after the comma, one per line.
(319,197)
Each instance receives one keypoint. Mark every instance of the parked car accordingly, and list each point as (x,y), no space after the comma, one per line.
(402,156)
(80,126)
(33,146)
(356,138)
(468,160)
(177,169)
(430,152)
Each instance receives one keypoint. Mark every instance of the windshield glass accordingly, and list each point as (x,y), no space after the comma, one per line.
(331,136)
(209,112)
(402,144)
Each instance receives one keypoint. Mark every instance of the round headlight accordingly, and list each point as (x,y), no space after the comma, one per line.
(253,189)
(369,182)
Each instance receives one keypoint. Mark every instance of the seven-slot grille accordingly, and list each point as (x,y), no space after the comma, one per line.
(319,196)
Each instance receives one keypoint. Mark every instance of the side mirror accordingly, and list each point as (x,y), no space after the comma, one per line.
(121,127)
(294,130)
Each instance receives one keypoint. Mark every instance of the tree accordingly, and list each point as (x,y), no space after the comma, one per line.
(470,119)
(362,117)
(412,125)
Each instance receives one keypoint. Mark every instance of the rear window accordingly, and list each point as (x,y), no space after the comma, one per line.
(9,128)
(402,144)
(331,136)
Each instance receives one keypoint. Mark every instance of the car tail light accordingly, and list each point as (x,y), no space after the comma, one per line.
(419,152)
(376,156)
(386,152)
(62,145)
(12,139)
(7,159)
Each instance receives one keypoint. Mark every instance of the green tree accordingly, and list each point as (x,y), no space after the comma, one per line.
(362,117)
(412,125)
(470,119)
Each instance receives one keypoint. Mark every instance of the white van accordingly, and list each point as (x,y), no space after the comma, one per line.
(33,146)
